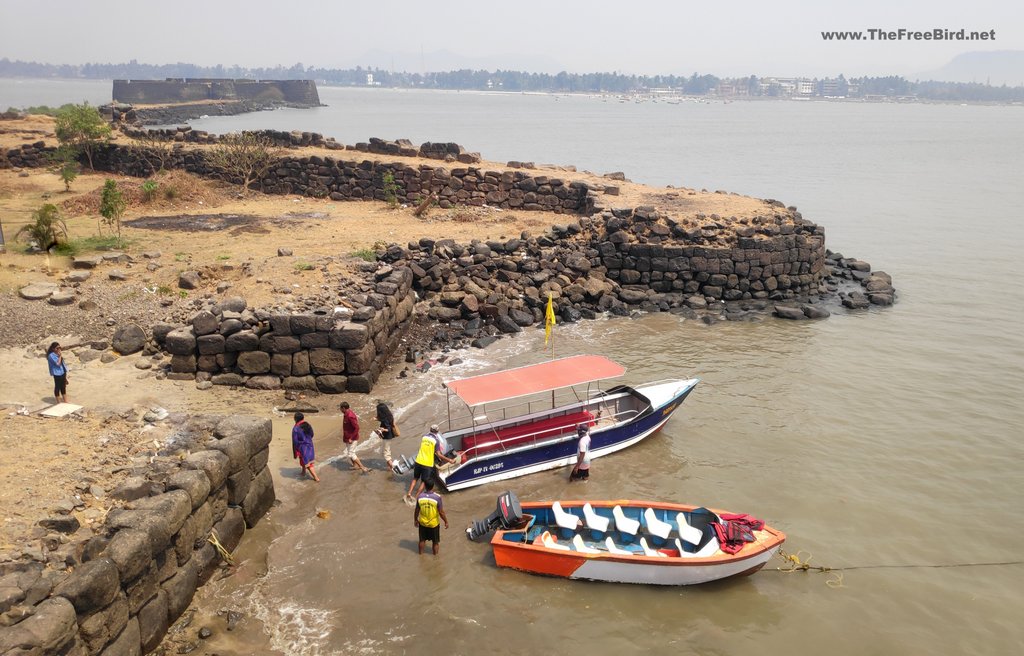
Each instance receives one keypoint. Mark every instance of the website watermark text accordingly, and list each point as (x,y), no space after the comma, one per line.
(904,34)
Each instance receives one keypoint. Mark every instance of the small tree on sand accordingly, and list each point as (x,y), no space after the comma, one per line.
(112,206)
(46,227)
(246,157)
(81,129)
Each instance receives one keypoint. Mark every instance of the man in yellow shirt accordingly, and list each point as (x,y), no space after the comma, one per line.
(428,516)
(424,469)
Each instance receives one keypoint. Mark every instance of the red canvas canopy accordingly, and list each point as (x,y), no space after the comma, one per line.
(534,378)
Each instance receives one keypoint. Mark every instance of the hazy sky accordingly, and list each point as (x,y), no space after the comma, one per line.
(764,37)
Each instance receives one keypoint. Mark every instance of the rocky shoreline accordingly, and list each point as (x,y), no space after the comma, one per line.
(183,113)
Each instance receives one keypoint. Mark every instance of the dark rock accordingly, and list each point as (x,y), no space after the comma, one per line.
(786,312)
(331,384)
(153,621)
(61,523)
(259,499)
(484,342)
(51,629)
(181,341)
(205,323)
(189,280)
(813,312)
(263,383)
(90,587)
(253,362)
(131,552)
(132,488)
(213,463)
(195,483)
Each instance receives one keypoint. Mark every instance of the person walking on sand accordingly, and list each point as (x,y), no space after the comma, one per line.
(424,469)
(302,445)
(387,431)
(581,470)
(350,435)
(429,509)
(59,371)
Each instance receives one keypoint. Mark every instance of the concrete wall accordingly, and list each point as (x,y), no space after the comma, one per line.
(140,571)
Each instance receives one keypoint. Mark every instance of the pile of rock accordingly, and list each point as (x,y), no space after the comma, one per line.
(329,350)
(131,580)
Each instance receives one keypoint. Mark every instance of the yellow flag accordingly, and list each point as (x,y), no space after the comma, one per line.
(549,320)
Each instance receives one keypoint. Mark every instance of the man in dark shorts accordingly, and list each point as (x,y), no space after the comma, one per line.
(425,467)
(428,516)
(581,470)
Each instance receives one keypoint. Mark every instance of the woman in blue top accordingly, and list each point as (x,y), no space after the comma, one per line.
(59,371)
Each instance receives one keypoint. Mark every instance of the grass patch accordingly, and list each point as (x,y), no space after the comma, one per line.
(180,257)
(223,257)
(164,290)
(304,266)
(90,244)
(367,254)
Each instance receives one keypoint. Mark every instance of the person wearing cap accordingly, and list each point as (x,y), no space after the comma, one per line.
(302,445)
(581,470)
(424,468)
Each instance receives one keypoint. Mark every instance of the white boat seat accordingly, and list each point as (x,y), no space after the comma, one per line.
(624,524)
(578,545)
(565,520)
(709,549)
(689,533)
(594,521)
(648,551)
(655,526)
(551,543)
(614,549)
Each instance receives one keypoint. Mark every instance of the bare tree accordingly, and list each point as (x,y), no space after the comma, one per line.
(156,149)
(246,156)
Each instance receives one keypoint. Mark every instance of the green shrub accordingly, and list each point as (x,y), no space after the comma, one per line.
(304,266)
(149,189)
(367,254)
(46,228)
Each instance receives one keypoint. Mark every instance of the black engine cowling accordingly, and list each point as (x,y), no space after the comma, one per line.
(508,514)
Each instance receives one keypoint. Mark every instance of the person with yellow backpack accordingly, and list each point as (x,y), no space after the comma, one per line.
(428,516)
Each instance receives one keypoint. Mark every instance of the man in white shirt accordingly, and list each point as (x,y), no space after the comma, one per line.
(581,470)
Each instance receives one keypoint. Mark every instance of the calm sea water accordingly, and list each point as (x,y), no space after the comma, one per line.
(888,441)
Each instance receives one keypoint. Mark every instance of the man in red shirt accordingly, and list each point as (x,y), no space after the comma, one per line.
(350,435)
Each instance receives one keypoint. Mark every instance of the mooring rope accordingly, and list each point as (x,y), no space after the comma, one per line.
(794,563)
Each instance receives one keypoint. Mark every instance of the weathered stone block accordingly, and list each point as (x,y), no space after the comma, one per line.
(144,588)
(254,362)
(244,340)
(131,551)
(211,344)
(231,529)
(300,362)
(301,324)
(205,323)
(213,463)
(98,628)
(193,482)
(326,362)
(92,586)
(281,324)
(358,361)
(238,486)
(269,382)
(281,364)
(259,461)
(257,431)
(236,448)
(153,621)
(184,540)
(181,341)
(348,335)
(331,384)
(128,643)
(180,588)
(184,364)
(299,383)
(259,499)
(50,629)
(172,507)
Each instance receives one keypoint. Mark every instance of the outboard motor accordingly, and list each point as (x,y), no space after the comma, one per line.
(508,514)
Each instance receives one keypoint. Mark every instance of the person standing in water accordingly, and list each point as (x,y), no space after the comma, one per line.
(350,435)
(302,445)
(59,371)
(387,431)
(429,510)
(424,469)
(581,470)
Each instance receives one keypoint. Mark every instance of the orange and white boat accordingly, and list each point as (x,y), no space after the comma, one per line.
(627,541)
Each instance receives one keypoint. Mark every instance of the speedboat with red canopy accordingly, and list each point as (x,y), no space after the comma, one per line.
(524,420)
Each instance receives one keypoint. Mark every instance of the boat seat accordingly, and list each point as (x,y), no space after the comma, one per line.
(578,545)
(687,532)
(615,549)
(655,526)
(709,549)
(598,524)
(626,527)
(492,440)
(552,543)
(648,551)
(566,521)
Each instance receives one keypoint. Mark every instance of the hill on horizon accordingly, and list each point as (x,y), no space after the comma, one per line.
(995,67)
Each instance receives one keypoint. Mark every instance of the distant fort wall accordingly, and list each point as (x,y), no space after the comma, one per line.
(182,90)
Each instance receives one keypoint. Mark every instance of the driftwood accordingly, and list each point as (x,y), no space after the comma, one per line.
(425,204)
